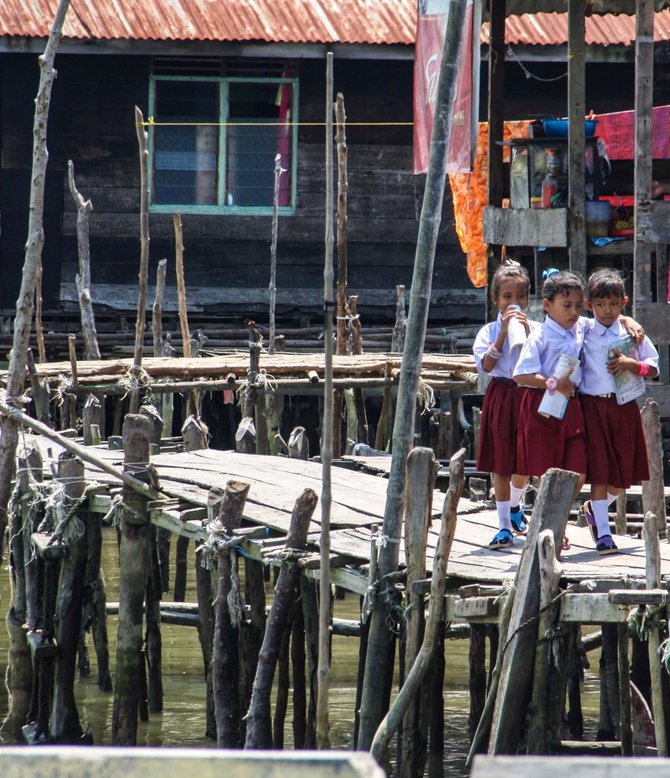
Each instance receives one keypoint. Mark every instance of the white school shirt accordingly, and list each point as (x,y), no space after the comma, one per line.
(595,378)
(540,352)
(504,367)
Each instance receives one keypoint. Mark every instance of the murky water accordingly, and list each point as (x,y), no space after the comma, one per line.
(182,722)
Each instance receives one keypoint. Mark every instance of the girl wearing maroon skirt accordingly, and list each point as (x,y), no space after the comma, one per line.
(495,355)
(617,453)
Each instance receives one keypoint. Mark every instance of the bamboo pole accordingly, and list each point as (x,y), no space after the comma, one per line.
(438,586)
(403,429)
(323,672)
(83,278)
(31,266)
(142,140)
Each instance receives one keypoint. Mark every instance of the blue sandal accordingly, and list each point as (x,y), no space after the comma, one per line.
(518,521)
(502,539)
(590,520)
(606,545)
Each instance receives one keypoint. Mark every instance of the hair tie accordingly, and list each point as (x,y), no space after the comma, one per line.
(549,272)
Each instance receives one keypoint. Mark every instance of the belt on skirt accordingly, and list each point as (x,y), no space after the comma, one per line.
(504,380)
(607,396)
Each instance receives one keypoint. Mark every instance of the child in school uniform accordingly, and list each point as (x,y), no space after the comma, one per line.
(500,410)
(617,453)
(544,442)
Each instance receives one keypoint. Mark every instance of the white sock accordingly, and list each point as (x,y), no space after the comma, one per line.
(611,498)
(516,494)
(601,515)
(503,515)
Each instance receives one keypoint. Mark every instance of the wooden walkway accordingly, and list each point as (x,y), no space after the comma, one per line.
(358,504)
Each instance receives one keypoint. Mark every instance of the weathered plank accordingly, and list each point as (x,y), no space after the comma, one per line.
(526,227)
(574,766)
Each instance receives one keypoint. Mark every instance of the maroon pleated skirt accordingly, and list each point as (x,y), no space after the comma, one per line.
(497,432)
(614,442)
(548,442)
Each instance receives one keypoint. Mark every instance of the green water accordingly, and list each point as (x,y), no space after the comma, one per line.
(182,722)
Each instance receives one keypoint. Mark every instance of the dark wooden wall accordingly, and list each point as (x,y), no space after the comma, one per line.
(226,257)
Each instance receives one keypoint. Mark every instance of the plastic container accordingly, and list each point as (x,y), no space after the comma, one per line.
(558,128)
(597,217)
(516,332)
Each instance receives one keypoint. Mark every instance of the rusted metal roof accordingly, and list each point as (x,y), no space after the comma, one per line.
(299,21)
(286,21)
(551,29)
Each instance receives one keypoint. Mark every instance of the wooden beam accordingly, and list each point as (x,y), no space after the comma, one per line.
(652,222)
(576,135)
(526,227)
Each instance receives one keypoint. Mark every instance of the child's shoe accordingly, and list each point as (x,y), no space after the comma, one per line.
(518,521)
(502,539)
(591,520)
(606,545)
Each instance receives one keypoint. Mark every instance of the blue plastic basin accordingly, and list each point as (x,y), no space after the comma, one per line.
(558,128)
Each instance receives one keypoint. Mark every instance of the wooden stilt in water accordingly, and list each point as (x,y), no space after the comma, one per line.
(298,658)
(64,724)
(608,727)
(153,641)
(310,610)
(283,682)
(574,678)
(477,680)
(421,471)
(134,560)
(258,717)
(626,714)
(252,632)
(436,709)
(228,617)
(653,575)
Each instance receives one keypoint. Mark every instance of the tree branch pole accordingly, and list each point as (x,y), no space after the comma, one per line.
(31,266)
(403,428)
(272,288)
(142,139)
(193,397)
(323,670)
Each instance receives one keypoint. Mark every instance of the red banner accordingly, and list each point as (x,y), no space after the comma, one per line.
(430,29)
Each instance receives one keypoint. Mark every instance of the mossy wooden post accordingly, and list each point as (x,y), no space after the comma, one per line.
(421,470)
(608,670)
(205,593)
(259,733)
(653,492)
(477,675)
(298,657)
(228,615)
(310,611)
(153,641)
(653,576)
(540,734)
(625,715)
(282,685)
(64,724)
(134,558)
(550,512)
(252,632)
(155,424)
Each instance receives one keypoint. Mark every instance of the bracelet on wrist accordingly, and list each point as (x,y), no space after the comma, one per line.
(643,369)
(493,353)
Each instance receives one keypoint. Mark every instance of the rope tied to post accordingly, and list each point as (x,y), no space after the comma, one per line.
(217,544)
(644,618)
(133,379)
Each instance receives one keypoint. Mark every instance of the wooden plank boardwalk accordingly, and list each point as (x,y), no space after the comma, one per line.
(358,504)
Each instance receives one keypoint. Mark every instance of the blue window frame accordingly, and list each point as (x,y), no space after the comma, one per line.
(213,142)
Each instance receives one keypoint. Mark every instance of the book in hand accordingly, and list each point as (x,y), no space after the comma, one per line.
(554,402)
(628,385)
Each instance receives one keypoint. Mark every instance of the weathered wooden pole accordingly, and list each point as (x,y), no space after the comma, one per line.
(421,470)
(134,558)
(31,267)
(550,512)
(140,324)
(228,617)
(40,389)
(653,576)
(272,286)
(83,278)
(64,724)
(540,735)
(372,706)
(252,632)
(438,586)
(259,731)
(91,415)
(625,715)
(653,490)
(323,672)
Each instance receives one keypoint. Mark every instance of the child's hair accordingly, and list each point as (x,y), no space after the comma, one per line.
(561,283)
(508,271)
(605,283)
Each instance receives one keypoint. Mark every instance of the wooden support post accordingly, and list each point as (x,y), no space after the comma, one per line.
(283,684)
(653,491)
(64,724)
(153,641)
(40,390)
(252,632)
(540,733)
(155,424)
(550,512)
(298,657)
(91,415)
(576,136)
(609,723)
(298,444)
(574,676)
(273,404)
(621,520)
(400,324)
(259,733)
(477,675)
(421,471)
(180,568)
(134,560)
(310,612)
(228,616)
(653,577)
(625,710)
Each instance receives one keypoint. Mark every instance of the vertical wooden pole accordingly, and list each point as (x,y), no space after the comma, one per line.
(153,642)
(642,165)
(310,612)
(252,633)
(625,714)
(298,657)
(272,287)
(134,556)
(576,136)
(653,491)
(91,415)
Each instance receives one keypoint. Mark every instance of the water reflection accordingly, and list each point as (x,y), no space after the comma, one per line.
(182,722)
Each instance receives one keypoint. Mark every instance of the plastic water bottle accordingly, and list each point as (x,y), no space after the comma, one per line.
(516,332)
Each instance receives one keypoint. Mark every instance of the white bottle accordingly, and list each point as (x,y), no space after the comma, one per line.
(516,332)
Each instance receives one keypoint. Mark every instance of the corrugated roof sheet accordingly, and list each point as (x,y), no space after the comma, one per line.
(296,21)
(287,21)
